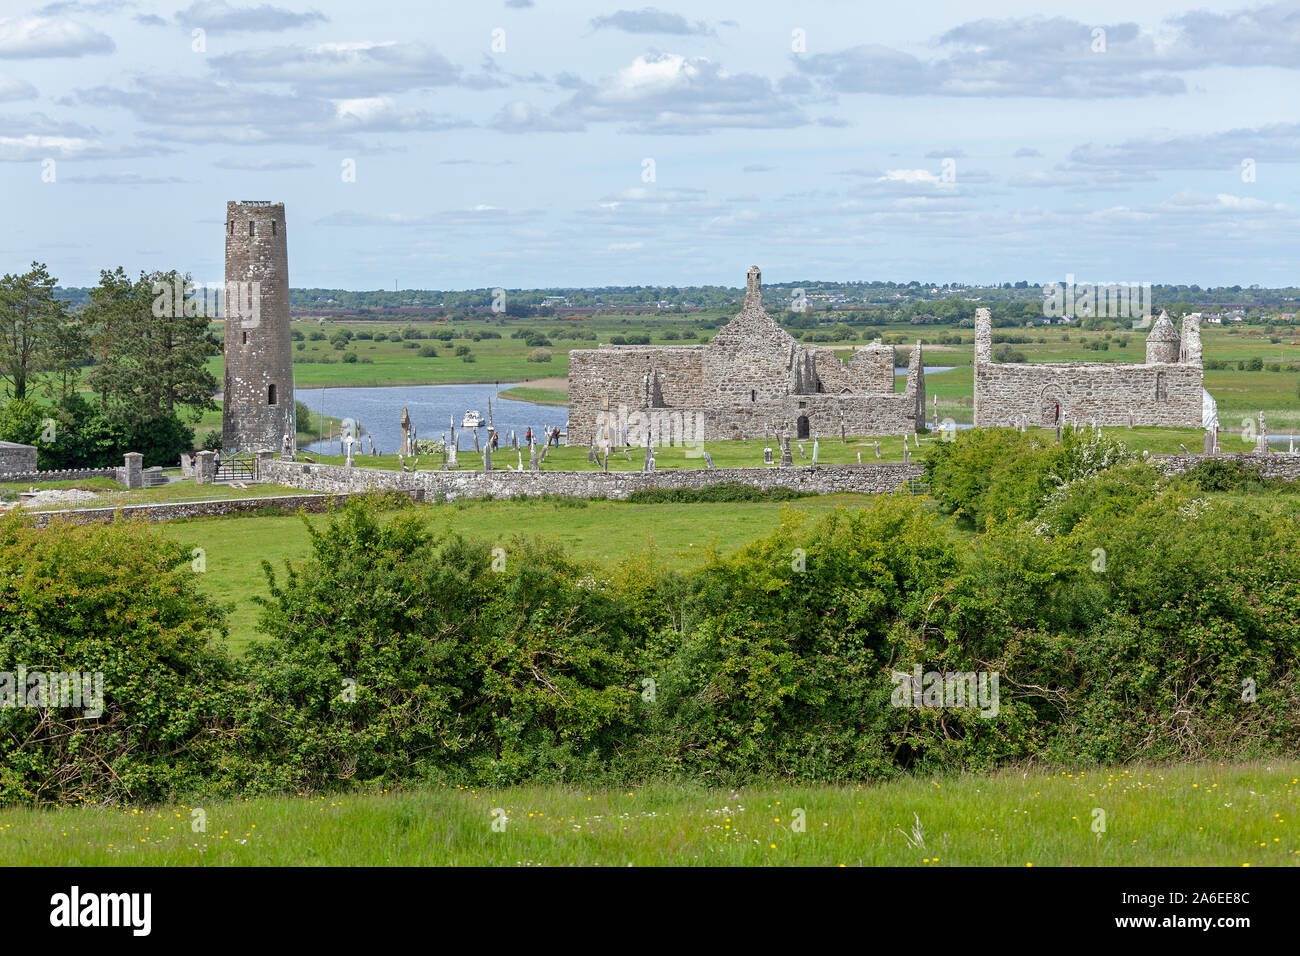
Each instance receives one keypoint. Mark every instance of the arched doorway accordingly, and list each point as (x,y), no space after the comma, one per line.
(801,427)
(1052,407)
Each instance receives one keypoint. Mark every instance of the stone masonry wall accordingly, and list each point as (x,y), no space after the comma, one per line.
(1268,465)
(15,458)
(619,373)
(875,478)
(177,511)
(1165,394)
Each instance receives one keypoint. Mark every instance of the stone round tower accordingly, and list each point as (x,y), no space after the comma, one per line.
(1162,344)
(258,409)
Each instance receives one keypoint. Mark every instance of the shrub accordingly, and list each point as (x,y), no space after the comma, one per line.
(428,351)
(539,355)
(162,677)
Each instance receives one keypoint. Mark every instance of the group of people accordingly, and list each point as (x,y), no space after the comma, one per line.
(550,433)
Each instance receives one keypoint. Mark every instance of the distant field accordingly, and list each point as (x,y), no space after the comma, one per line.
(1239,814)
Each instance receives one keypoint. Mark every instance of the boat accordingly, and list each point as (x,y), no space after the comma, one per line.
(473,419)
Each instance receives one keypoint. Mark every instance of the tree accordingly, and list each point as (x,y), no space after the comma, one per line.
(152,347)
(29,320)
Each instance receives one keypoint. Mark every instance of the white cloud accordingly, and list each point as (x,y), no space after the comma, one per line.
(39,37)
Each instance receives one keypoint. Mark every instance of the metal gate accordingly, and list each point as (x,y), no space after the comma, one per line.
(237,469)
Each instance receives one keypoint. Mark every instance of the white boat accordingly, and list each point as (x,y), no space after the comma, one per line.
(473,419)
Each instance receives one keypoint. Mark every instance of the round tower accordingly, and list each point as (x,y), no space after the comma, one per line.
(258,408)
(1162,343)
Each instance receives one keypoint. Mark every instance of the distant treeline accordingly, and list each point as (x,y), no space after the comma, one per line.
(913,301)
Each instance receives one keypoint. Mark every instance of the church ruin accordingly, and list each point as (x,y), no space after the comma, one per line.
(1167,390)
(752,377)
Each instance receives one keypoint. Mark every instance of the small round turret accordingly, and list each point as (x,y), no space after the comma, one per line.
(1163,343)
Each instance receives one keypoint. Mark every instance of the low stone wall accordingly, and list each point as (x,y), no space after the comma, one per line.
(178,510)
(70,474)
(875,478)
(1268,465)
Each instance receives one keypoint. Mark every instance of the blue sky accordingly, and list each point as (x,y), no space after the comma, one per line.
(535,143)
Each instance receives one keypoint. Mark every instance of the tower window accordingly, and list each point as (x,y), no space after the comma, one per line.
(252,231)
(245,338)
(273,227)
(270,394)
(232,227)
(753,394)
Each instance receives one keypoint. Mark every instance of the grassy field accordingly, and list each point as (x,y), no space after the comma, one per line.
(602,532)
(1202,815)
(395,361)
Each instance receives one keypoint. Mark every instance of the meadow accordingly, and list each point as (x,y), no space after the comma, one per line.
(601,532)
(1216,814)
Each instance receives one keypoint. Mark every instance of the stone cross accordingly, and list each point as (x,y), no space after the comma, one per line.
(521,458)
(649,458)
(708,460)
(350,443)
(815,450)
(451,456)
(906,457)
(859,458)
(802,453)
(877,444)
(487,457)
(1262,444)
(786,458)
(406,432)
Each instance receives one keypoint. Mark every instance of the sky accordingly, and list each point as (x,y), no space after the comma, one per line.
(562,143)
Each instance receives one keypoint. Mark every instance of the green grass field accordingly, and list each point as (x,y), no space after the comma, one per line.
(1189,815)
(601,532)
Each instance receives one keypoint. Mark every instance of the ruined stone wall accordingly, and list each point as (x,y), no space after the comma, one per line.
(258,406)
(183,511)
(1269,465)
(1164,394)
(752,378)
(16,458)
(874,478)
(618,372)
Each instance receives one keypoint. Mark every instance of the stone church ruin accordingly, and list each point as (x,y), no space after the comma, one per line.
(1167,390)
(752,378)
